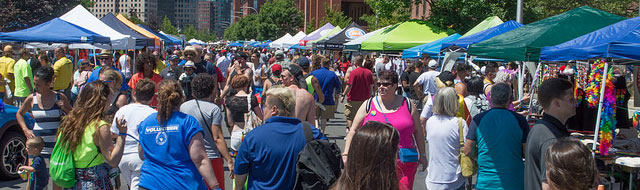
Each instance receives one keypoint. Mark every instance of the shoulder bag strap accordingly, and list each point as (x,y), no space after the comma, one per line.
(203,118)
(385,115)
(460,132)
(308,135)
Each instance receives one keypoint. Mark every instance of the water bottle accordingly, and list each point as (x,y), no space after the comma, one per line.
(420,171)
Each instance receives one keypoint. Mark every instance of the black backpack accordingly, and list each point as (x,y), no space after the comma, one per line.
(319,164)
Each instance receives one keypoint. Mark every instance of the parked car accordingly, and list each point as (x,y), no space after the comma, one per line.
(12,143)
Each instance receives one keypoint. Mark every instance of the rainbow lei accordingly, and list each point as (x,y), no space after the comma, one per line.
(607,119)
(636,117)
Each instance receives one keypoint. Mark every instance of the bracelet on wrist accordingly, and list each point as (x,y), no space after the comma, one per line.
(122,134)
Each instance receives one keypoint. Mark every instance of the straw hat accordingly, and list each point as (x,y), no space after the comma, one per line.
(105,53)
(189,49)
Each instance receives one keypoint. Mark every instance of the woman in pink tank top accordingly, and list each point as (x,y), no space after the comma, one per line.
(387,107)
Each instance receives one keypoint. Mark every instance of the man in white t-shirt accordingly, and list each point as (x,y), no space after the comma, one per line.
(124,62)
(133,114)
(223,62)
(426,82)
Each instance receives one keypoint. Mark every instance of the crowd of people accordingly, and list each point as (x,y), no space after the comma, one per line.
(158,119)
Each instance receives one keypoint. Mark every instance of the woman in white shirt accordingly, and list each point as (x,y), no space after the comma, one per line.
(444,142)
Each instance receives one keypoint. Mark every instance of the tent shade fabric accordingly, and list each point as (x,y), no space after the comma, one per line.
(138,29)
(524,43)
(54,31)
(597,43)
(402,36)
(174,40)
(331,33)
(464,42)
(335,42)
(235,44)
(354,45)
(83,18)
(431,49)
(487,23)
(163,37)
(294,40)
(278,43)
(324,30)
(113,22)
(297,46)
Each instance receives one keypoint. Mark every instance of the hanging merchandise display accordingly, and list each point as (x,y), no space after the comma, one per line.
(608,121)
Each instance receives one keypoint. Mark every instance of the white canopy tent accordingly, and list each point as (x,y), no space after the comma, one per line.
(278,43)
(83,18)
(294,40)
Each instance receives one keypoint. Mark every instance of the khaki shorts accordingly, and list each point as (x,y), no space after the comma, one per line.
(351,108)
(326,114)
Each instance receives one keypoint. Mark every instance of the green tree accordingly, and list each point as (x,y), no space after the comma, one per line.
(387,12)
(277,18)
(311,25)
(21,14)
(244,29)
(167,27)
(86,3)
(190,32)
(462,15)
(335,17)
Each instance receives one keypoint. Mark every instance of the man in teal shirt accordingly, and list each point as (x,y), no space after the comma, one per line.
(498,135)
(23,76)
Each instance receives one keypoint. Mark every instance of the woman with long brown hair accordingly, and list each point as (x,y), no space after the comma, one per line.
(372,159)
(172,146)
(85,132)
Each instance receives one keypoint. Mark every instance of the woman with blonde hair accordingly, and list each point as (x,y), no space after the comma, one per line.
(172,146)
(371,163)
(443,136)
(85,132)
(117,98)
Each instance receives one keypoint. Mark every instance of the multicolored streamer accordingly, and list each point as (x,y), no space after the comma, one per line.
(636,117)
(607,119)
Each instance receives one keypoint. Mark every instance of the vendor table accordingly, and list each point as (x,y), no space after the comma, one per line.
(630,163)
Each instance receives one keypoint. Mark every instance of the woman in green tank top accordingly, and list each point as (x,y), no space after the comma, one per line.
(85,132)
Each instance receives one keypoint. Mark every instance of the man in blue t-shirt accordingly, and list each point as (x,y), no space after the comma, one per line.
(329,82)
(269,153)
(500,135)
(106,59)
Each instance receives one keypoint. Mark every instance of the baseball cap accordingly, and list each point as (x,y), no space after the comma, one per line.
(279,53)
(303,62)
(433,64)
(296,71)
(189,64)
(223,51)
(276,69)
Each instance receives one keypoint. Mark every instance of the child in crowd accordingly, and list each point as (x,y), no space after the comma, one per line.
(39,177)
(186,77)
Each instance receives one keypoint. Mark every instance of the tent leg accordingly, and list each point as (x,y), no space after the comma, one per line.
(600,104)
(533,88)
(520,80)
(95,60)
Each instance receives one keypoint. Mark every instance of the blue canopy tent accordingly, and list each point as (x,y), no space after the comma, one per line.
(164,38)
(172,40)
(235,44)
(55,31)
(431,48)
(463,43)
(619,40)
(113,22)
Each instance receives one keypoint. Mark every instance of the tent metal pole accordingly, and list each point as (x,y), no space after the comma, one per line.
(533,88)
(598,118)
(95,60)
(520,80)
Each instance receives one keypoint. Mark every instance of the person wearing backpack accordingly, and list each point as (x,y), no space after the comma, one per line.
(476,101)
(268,154)
(388,107)
(85,134)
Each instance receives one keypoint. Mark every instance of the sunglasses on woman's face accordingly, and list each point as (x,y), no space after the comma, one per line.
(189,54)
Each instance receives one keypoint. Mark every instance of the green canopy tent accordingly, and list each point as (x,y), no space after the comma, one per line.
(487,23)
(524,43)
(404,35)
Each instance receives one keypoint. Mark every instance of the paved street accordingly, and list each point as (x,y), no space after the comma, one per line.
(335,131)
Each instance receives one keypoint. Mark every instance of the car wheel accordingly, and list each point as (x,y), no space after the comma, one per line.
(12,154)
